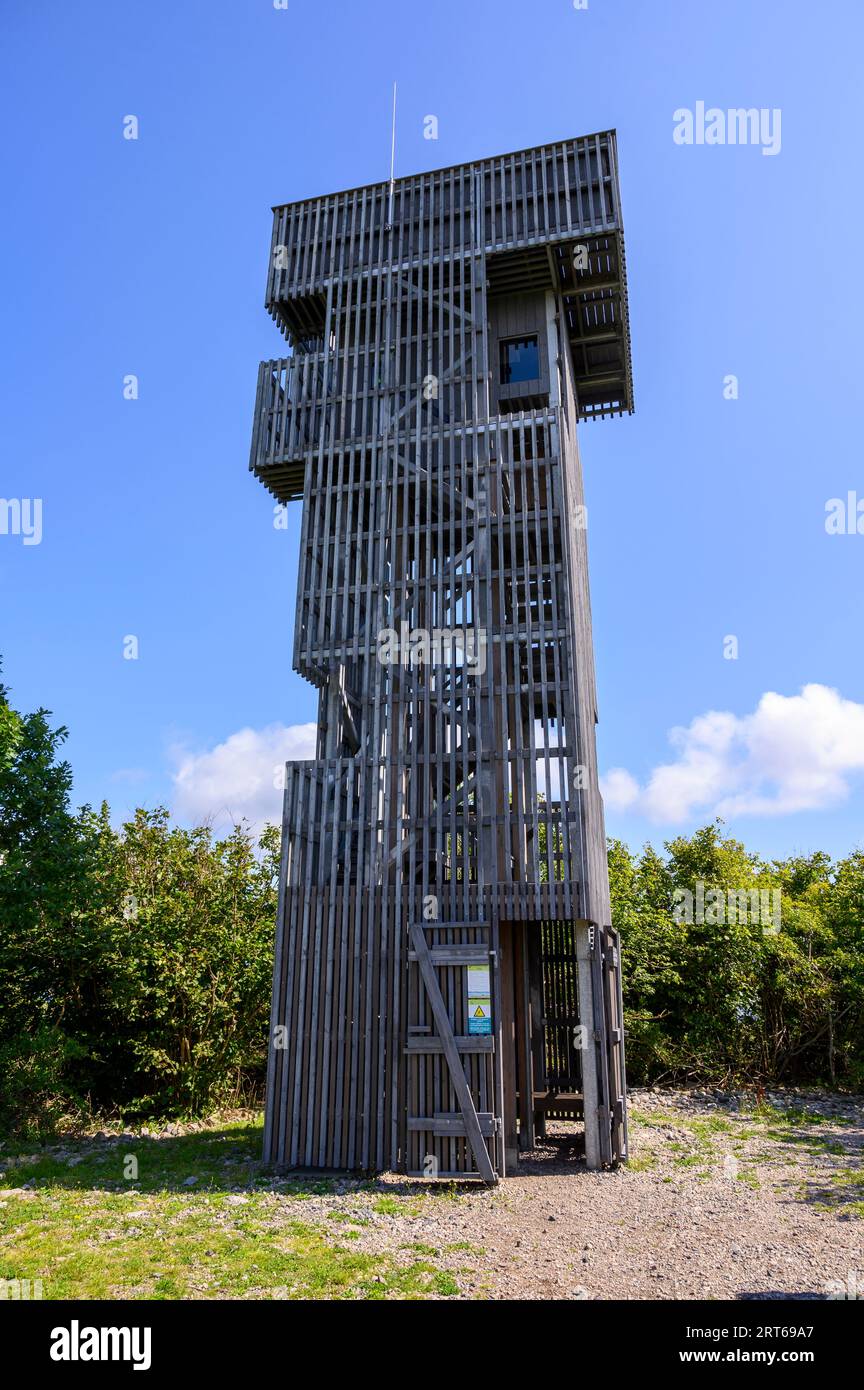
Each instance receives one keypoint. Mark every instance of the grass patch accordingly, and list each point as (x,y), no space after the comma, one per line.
(642,1163)
(396,1206)
(749,1178)
(704,1128)
(106,1220)
(850,1181)
(443,1283)
(349,1218)
(766,1113)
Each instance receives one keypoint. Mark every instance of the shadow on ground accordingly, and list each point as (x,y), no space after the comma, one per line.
(779,1296)
(212,1160)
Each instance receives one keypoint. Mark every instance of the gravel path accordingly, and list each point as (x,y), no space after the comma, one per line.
(723,1198)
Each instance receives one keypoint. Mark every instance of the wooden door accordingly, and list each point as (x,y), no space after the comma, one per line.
(453,1122)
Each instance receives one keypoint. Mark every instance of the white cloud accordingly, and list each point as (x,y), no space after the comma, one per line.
(793,753)
(239,778)
(620,790)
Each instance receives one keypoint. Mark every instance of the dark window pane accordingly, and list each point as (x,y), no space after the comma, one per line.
(520,360)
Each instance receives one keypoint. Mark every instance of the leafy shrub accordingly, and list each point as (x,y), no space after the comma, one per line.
(35,1095)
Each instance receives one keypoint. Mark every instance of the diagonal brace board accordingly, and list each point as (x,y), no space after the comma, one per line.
(454,1063)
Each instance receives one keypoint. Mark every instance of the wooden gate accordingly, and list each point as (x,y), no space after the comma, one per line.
(453,1086)
(560,977)
(609,952)
(584,1025)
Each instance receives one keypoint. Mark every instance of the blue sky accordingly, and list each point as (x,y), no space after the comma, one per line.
(706,515)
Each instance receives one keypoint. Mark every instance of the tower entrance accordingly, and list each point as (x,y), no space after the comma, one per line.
(555,1042)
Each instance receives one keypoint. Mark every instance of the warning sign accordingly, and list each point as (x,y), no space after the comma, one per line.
(480,1016)
(479,1000)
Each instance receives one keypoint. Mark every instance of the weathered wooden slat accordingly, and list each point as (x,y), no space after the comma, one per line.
(451,1125)
(454,955)
(463,1042)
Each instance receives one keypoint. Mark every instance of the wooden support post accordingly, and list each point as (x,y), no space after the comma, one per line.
(584,954)
(508,1050)
(533,945)
(524,1059)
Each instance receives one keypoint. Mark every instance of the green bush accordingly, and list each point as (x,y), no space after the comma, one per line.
(134,964)
(35,1094)
(733,1002)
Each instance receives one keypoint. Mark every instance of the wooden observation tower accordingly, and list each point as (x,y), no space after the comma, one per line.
(446,978)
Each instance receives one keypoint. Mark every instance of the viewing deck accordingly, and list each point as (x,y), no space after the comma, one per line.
(543,218)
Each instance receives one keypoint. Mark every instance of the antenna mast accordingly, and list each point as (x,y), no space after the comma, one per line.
(392,163)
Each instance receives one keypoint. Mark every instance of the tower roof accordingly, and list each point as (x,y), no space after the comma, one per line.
(548,217)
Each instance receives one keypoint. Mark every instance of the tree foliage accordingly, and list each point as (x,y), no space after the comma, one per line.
(134,962)
(728,1000)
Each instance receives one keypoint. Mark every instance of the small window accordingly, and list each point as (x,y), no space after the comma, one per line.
(520,360)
